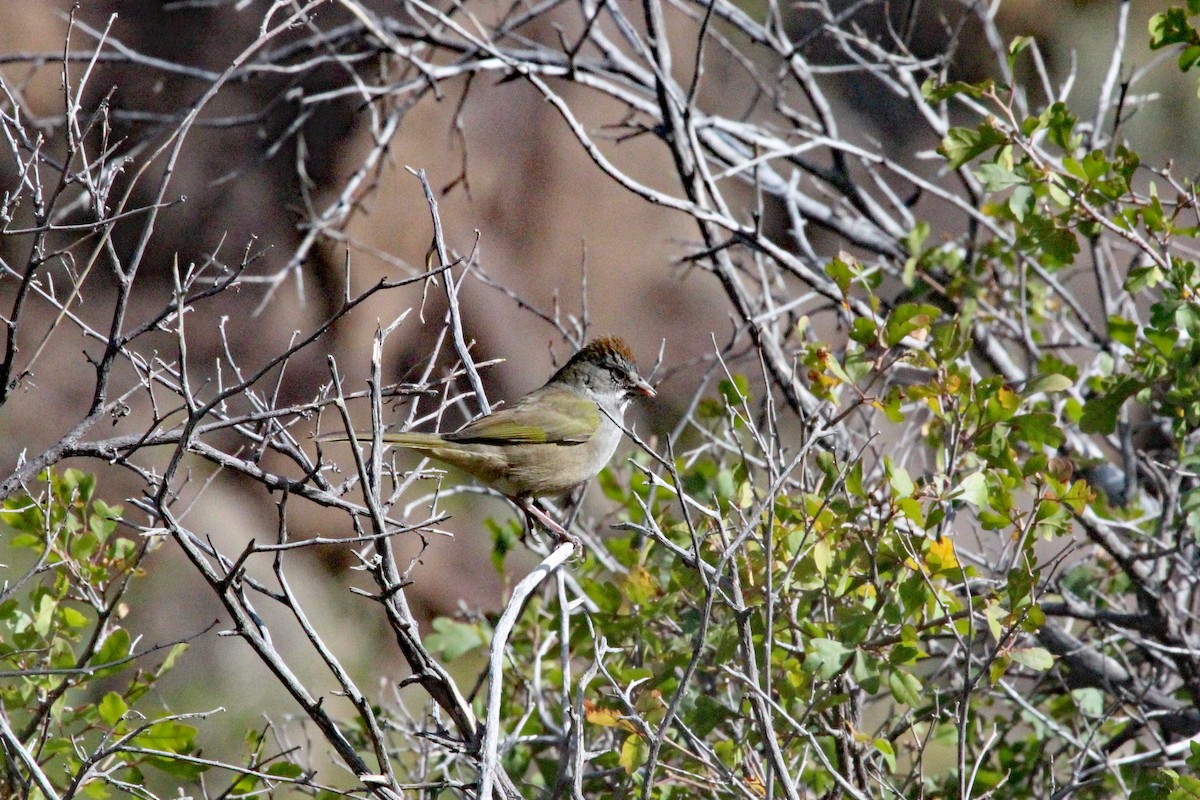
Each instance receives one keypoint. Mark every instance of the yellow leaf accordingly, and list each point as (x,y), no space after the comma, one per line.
(639,587)
(745,495)
(755,785)
(822,556)
(605,717)
(993,614)
(1009,400)
(941,555)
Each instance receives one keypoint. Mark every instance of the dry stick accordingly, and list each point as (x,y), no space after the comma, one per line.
(570,733)
(430,674)
(1105,98)
(460,344)
(491,735)
(372,729)
(72,444)
(247,628)
(12,744)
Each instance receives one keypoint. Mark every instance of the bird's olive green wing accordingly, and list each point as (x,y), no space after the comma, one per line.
(548,415)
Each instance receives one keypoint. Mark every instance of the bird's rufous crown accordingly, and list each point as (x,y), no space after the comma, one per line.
(598,348)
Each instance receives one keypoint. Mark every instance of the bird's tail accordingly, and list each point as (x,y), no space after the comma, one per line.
(486,465)
(413,441)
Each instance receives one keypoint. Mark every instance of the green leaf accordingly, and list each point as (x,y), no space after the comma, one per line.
(285,769)
(1038,428)
(73,617)
(826,657)
(822,557)
(1060,125)
(111,708)
(935,92)
(1189,57)
(103,524)
(863,331)
(113,648)
(707,715)
(122,549)
(505,537)
(1163,341)
(1037,658)
(841,273)
(31,540)
(973,488)
(452,639)
(902,485)
(1048,383)
(78,484)
(43,616)
(835,367)
(1095,165)
(735,392)
(961,145)
(994,521)
(1074,168)
(1020,202)
(916,238)
(1078,496)
(1058,245)
(169,662)
(885,749)
(1016,47)
(1122,330)
(1171,27)
(993,614)
(996,178)
(907,318)
(854,480)
(83,546)
(1089,701)
(169,736)
(911,508)
(634,752)
(1141,278)
(178,768)
(1101,410)
(905,688)
(244,785)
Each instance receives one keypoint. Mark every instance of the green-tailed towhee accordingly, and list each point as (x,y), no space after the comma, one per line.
(551,440)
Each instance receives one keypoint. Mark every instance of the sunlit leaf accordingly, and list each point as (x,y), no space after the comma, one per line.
(634,752)
(605,717)
(1037,658)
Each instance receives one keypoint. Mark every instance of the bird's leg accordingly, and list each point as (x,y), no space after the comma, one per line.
(532,512)
(549,522)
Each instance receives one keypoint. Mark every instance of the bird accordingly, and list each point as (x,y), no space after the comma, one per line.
(550,441)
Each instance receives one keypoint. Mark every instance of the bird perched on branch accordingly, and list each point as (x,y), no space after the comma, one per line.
(550,441)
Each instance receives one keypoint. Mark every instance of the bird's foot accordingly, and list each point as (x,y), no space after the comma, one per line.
(532,512)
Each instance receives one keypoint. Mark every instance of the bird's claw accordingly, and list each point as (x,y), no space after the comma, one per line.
(571,539)
(561,535)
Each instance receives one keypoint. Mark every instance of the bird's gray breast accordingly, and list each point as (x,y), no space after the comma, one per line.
(607,437)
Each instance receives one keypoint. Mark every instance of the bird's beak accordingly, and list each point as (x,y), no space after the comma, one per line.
(643,388)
